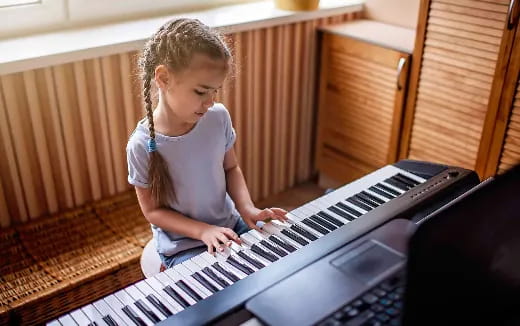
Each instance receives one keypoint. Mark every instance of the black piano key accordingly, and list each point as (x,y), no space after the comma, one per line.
(189,291)
(381,192)
(146,311)
(404,181)
(109,320)
(372,197)
(277,250)
(133,316)
(241,267)
(92,324)
(265,254)
(176,296)
(410,180)
(341,213)
(159,305)
(397,184)
(359,204)
(250,260)
(226,273)
(366,201)
(294,237)
(283,244)
(303,232)
(211,274)
(330,218)
(349,209)
(199,278)
(388,189)
(321,221)
(310,223)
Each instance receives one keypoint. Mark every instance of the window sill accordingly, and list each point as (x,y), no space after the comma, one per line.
(37,51)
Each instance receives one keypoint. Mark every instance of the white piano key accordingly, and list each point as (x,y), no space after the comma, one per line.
(270,229)
(54,323)
(175,274)
(117,306)
(67,320)
(93,314)
(247,251)
(401,191)
(127,300)
(136,294)
(80,318)
(186,275)
(375,194)
(105,310)
(152,286)
(281,226)
(206,256)
(168,281)
(193,267)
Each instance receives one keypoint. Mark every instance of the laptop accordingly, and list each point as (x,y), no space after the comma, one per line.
(460,266)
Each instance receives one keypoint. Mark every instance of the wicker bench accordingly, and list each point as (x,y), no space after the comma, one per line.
(55,264)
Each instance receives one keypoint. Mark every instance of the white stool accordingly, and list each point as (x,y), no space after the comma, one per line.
(150,260)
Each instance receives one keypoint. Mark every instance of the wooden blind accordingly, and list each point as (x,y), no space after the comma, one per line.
(460,53)
(511,151)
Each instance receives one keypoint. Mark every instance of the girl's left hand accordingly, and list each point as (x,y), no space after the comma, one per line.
(254,215)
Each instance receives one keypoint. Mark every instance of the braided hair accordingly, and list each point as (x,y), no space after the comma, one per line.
(173,45)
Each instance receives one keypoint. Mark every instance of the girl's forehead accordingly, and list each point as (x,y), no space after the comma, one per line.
(206,71)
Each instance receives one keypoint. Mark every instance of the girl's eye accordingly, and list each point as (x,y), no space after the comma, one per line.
(199,92)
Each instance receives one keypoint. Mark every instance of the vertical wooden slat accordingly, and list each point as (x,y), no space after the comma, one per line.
(125,68)
(4,211)
(268,111)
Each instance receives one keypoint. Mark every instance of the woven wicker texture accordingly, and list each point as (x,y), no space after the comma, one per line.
(123,215)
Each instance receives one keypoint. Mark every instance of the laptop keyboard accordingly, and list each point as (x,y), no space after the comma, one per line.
(381,305)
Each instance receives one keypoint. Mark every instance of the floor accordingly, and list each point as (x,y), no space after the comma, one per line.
(294,197)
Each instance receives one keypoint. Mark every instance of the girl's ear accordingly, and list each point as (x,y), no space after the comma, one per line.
(162,77)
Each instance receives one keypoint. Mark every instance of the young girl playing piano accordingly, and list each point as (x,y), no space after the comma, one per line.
(180,157)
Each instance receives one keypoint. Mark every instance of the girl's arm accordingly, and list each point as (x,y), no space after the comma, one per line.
(237,189)
(173,221)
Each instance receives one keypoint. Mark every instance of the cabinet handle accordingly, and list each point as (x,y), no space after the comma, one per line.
(400,66)
(511,19)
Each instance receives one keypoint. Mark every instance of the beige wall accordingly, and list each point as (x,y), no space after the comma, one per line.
(397,12)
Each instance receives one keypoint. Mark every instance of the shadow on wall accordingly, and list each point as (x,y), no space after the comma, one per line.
(396,12)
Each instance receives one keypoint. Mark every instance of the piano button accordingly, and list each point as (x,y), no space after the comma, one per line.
(359,204)
(274,248)
(349,209)
(117,306)
(80,318)
(404,181)
(409,179)
(183,274)
(265,254)
(330,218)
(293,236)
(168,282)
(130,309)
(240,266)
(372,197)
(202,280)
(67,320)
(139,301)
(93,315)
(341,213)
(324,223)
(216,278)
(287,246)
(153,284)
(250,260)
(397,184)
(366,201)
(312,224)
(382,193)
(388,189)
(227,273)
(109,316)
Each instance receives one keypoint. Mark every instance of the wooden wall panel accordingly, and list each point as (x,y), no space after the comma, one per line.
(64,128)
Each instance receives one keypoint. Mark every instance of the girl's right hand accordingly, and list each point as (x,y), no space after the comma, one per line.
(216,236)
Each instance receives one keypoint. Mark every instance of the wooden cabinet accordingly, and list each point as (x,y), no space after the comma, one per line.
(363,79)
(462,86)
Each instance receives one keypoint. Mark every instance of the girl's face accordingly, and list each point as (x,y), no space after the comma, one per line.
(189,93)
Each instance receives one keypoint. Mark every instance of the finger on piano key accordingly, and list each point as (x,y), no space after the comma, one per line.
(117,306)
(93,314)
(175,292)
(224,268)
(183,276)
(108,315)
(159,300)
(80,318)
(144,305)
(201,277)
(157,286)
(132,311)
(67,320)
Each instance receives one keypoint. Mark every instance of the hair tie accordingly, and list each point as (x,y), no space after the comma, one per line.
(152,145)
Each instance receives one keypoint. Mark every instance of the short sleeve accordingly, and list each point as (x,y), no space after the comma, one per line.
(137,159)
(229,130)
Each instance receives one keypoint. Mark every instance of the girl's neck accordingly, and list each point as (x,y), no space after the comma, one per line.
(167,123)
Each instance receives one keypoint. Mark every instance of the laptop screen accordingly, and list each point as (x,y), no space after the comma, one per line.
(464,263)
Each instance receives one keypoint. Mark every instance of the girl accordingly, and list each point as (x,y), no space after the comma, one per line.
(180,157)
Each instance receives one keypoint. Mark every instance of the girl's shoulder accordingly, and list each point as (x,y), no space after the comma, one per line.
(139,137)
(219,110)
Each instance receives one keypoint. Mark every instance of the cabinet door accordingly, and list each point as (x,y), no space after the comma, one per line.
(361,100)
(462,48)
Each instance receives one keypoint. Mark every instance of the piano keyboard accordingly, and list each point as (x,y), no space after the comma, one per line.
(152,300)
